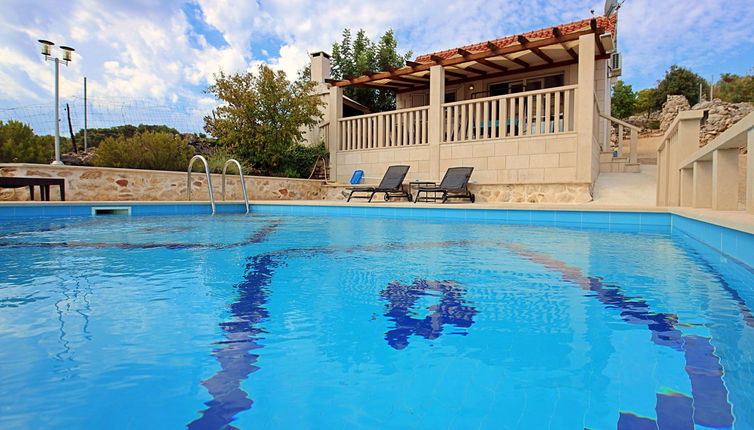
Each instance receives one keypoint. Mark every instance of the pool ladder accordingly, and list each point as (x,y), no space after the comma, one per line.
(209,181)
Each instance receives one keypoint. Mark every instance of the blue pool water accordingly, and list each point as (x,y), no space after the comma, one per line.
(306,322)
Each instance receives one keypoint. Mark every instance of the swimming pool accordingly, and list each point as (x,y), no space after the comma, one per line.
(319,322)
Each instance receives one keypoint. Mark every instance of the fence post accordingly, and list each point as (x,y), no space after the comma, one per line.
(434,132)
(750,171)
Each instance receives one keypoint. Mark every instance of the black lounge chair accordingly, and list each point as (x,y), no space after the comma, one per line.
(391,184)
(453,186)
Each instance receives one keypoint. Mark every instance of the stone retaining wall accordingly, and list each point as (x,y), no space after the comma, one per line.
(518,193)
(110,184)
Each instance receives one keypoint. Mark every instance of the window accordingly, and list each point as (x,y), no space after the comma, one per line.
(528,84)
(450,97)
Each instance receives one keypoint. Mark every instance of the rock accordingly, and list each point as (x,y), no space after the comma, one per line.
(670,109)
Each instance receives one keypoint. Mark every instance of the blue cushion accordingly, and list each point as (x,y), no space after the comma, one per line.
(357,175)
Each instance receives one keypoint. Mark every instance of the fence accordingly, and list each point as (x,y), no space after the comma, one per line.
(405,127)
(530,113)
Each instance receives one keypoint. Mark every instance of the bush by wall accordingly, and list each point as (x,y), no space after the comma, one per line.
(19,144)
(299,160)
(146,150)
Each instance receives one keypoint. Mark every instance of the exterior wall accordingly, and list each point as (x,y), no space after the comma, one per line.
(109,184)
(525,160)
(374,162)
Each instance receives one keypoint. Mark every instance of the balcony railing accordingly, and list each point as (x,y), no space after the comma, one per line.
(531,113)
(405,127)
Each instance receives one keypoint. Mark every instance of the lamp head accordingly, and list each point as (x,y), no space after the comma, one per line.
(67,51)
(46,46)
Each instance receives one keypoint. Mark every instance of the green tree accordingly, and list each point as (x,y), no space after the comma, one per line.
(19,144)
(354,57)
(623,100)
(734,88)
(644,100)
(679,80)
(145,150)
(262,115)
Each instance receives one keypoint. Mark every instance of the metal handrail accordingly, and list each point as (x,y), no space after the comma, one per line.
(243,182)
(209,180)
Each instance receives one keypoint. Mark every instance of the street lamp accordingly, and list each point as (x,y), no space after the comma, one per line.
(47,52)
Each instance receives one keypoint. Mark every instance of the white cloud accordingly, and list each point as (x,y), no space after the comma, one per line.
(144,49)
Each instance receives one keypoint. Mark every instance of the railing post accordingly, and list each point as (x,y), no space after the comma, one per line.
(632,157)
(750,171)
(585,110)
(434,132)
(686,142)
(335,108)
(702,197)
(725,179)
(687,187)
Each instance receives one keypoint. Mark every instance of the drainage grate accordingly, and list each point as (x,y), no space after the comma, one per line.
(111,210)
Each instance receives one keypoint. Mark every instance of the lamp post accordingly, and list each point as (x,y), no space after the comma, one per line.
(47,52)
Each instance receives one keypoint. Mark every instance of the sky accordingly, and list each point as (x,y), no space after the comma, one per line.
(138,54)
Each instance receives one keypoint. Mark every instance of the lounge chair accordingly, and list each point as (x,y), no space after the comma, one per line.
(391,184)
(453,186)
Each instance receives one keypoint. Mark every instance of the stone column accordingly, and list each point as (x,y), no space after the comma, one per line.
(702,197)
(685,144)
(335,110)
(725,179)
(585,110)
(434,121)
(750,172)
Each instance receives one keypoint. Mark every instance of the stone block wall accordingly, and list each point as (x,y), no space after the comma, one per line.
(492,193)
(525,160)
(374,162)
(110,184)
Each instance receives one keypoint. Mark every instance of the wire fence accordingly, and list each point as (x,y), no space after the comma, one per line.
(104,113)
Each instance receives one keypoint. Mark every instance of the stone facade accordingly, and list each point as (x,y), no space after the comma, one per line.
(518,193)
(110,184)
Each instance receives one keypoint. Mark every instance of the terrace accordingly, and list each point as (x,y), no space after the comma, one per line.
(523,109)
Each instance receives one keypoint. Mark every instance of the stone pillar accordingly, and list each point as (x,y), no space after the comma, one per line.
(585,110)
(725,179)
(702,197)
(685,144)
(434,121)
(687,187)
(335,110)
(750,172)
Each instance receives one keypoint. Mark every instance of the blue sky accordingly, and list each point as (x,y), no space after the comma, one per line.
(167,51)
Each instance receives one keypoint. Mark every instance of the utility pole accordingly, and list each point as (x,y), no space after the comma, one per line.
(85,117)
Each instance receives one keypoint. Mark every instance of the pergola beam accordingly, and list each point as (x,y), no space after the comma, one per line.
(538,52)
(417,67)
(492,65)
(558,35)
(507,73)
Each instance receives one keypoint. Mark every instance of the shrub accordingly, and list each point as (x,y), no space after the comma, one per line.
(19,144)
(216,158)
(299,160)
(146,150)
(654,125)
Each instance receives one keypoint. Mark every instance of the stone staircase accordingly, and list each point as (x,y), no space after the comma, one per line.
(611,164)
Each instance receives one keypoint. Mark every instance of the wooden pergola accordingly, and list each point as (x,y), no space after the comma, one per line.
(528,52)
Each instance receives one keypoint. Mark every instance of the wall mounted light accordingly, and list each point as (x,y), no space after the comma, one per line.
(471,87)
